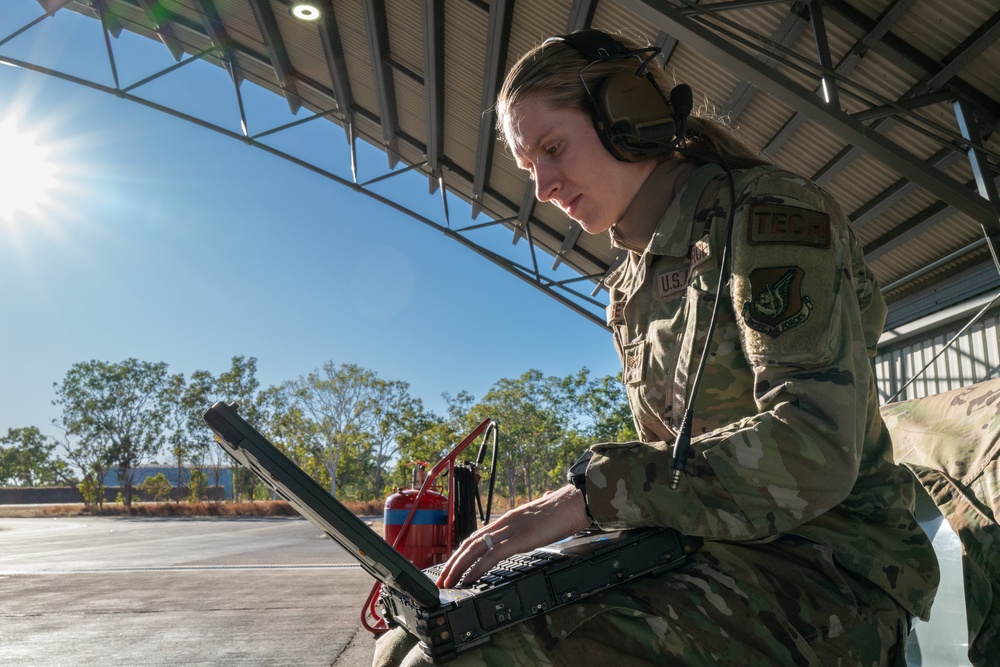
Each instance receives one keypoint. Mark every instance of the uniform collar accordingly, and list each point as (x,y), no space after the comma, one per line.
(646,212)
(673,233)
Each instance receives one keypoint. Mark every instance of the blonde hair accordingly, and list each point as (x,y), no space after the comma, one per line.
(559,73)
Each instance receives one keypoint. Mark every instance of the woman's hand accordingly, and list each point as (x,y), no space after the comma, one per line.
(536,524)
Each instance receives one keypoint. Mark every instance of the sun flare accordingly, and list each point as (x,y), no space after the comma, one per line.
(28,174)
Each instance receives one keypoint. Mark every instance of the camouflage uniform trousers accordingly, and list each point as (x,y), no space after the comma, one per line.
(782,603)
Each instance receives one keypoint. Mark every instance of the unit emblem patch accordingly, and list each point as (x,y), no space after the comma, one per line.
(776,303)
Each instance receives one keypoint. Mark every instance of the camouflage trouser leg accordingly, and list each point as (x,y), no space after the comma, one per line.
(784,603)
(515,647)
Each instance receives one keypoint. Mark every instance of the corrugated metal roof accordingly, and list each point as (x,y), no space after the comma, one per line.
(892,152)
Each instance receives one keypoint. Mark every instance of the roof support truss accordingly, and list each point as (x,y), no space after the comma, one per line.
(432,14)
(329,34)
(780,87)
(159,19)
(276,50)
(497,39)
(378,45)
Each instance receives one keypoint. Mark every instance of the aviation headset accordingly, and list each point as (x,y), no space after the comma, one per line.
(632,116)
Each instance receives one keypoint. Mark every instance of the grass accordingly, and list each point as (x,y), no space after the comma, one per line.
(173,509)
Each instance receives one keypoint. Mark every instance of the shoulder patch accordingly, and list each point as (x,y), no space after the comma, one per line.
(776,303)
(775,224)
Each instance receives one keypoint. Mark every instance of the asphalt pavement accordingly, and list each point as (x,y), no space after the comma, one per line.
(140,591)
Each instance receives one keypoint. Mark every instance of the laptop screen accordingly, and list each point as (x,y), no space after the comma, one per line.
(285,478)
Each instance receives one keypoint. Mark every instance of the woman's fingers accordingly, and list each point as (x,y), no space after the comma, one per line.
(539,523)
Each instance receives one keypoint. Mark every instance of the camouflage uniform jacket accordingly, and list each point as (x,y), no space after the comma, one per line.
(951,442)
(788,438)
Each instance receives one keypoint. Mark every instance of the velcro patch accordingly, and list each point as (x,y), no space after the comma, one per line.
(671,282)
(634,363)
(699,252)
(771,224)
(615,313)
(776,303)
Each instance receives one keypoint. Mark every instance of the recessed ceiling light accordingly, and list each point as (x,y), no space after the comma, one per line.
(305,11)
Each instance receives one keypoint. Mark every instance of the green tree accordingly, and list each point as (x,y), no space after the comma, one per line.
(202,451)
(197,485)
(190,436)
(342,403)
(176,424)
(433,437)
(398,416)
(27,459)
(94,461)
(157,486)
(239,385)
(603,404)
(118,409)
(533,417)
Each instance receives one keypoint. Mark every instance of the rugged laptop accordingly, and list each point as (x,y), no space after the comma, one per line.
(450,621)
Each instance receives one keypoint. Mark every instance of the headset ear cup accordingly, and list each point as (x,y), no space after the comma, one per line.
(605,132)
(638,118)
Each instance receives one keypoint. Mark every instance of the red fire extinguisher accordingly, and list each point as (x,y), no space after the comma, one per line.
(424,524)
(426,540)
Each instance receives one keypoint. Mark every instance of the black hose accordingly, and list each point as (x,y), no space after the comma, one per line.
(465,501)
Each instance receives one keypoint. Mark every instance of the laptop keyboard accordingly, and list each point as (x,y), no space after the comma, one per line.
(507,569)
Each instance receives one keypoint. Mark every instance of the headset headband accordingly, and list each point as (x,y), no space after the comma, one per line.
(594,44)
(633,118)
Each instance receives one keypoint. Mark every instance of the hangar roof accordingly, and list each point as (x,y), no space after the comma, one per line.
(903,135)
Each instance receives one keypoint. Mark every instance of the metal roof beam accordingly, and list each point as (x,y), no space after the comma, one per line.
(878,30)
(981,168)
(108,22)
(216,32)
(524,211)
(50,7)
(333,50)
(276,50)
(568,242)
(580,15)
(159,18)
(31,24)
(785,34)
(111,21)
(903,105)
(786,91)
(731,5)
(378,45)
(910,229)
(432,13)
(497,40)
(983,173)
(827,81)
(954,62)
(905,56)
(902,188)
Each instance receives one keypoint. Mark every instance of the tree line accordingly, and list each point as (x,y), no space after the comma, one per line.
(352,430)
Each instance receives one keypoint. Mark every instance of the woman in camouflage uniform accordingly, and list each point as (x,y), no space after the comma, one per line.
(812,555)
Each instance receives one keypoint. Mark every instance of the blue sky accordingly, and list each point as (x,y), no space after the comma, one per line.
(165,241)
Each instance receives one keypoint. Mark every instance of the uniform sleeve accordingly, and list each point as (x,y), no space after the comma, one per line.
(804,304)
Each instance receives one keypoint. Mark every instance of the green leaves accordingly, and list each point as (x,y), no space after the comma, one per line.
(351,429)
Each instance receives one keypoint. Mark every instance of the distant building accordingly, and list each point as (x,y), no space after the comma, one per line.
(225,476)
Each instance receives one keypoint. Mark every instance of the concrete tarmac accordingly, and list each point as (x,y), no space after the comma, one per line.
(140,591)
